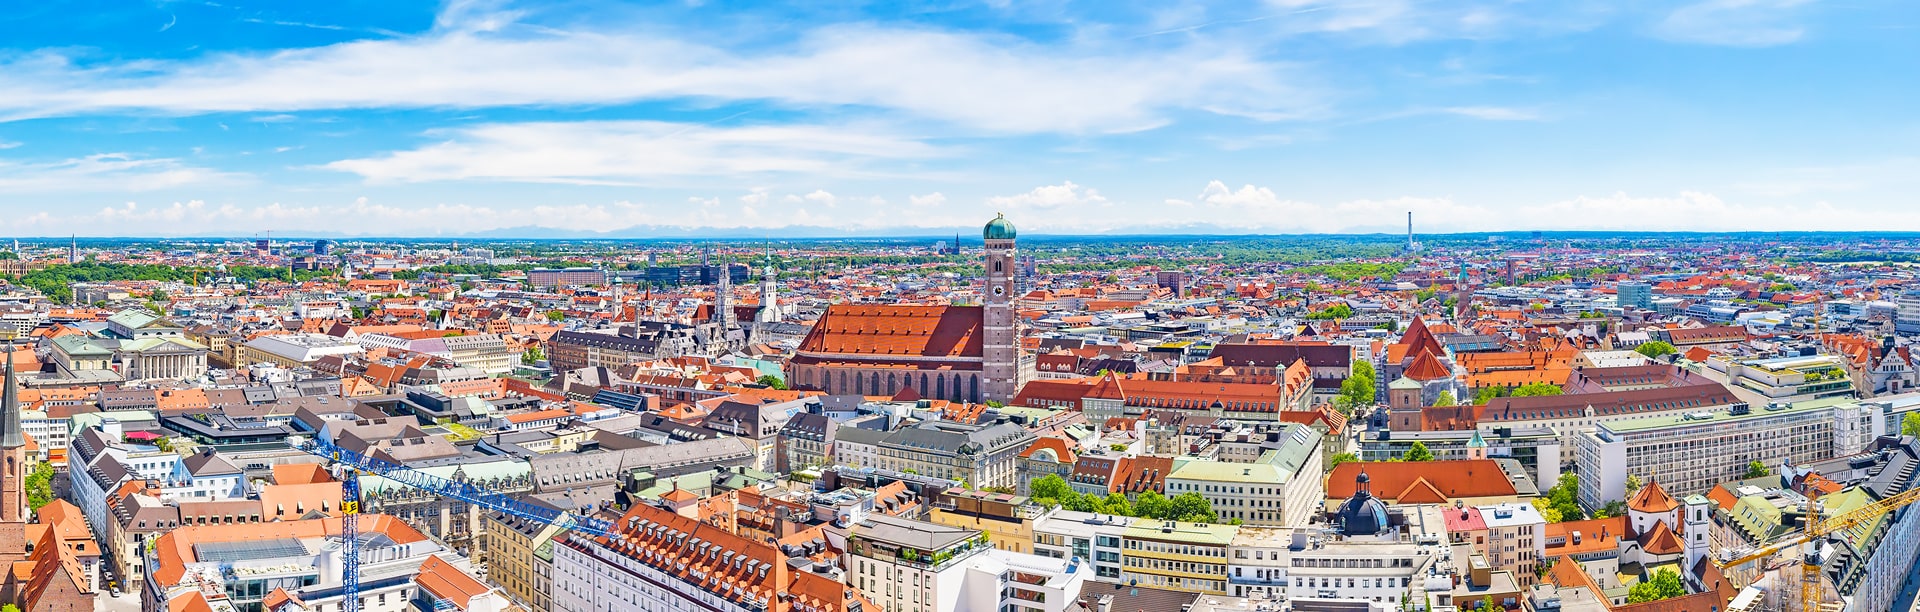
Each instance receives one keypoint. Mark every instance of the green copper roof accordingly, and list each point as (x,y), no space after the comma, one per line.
(999,229)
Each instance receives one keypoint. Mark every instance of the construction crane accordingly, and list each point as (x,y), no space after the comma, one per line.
(1817,529)
(353,464)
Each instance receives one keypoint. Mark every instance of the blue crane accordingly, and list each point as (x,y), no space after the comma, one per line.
(355,463)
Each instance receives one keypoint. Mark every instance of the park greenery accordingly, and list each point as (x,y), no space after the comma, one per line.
(1357,390)
(1053,491)
(1487,394)
(1417,452)
(40,485)
(1334,312)
(1656,348)
(1664,585)
(1559,504)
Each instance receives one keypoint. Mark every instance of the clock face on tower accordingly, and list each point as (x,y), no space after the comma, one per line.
(999,290)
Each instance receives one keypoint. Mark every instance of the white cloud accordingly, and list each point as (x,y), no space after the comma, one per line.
(8,144)
(820,196)
(1740,23)
(1047,197)
(107,172)
(1493,113)
(931,199)
(636,152)
(481,58)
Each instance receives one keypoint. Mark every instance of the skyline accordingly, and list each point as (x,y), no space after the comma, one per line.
(1271,118)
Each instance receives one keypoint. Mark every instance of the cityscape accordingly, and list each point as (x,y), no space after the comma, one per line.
(960,306)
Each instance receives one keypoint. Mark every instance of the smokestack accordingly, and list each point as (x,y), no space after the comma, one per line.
(1409,230)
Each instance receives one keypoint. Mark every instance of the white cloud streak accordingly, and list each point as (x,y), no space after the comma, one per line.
(1738,23)
(479,59)
(636,152)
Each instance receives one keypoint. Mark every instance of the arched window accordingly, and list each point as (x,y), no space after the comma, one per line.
(940,386)
(996,265)
(873,384)
(975,382)
(923,384)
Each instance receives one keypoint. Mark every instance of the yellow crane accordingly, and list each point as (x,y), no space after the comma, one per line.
(1818,528)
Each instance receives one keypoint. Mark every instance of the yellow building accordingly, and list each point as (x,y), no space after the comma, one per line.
(520,559)
(1007,518)
(1176,556)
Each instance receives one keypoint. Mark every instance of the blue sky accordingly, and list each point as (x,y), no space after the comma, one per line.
(410,118)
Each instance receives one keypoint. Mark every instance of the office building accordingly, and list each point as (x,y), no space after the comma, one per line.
(1635,295)
(1691,452)
(552,278)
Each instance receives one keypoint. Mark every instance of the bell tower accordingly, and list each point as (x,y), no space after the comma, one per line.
(1000,341)
(13,471)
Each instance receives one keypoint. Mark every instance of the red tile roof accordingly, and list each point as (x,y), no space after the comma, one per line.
(896,330)
(1427,367)
(1652,499)
(1451,480)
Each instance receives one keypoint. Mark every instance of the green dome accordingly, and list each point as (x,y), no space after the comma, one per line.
(998,229)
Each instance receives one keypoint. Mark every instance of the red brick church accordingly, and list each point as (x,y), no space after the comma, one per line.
(47,560)
(957,353)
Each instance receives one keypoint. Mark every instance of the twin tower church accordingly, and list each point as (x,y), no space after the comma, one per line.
(958,353)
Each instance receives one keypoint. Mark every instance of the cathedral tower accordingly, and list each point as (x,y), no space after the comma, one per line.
(1000,346)
(13,472)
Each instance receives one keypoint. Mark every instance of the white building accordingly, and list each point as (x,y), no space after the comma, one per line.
(1283,488)
(1689,453)
(1065,534)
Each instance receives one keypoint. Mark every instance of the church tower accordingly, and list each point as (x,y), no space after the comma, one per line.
(769,294)
(723,298)
(1000,346)
(13,472)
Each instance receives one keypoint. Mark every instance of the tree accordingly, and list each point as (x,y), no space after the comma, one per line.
(556,316)
(1151,504)
(1486,394)
(1910,424)
(1538,389)
(1487,604)
(1654,349)
(1445,399)
(1417,452)
(1612,509)
(158,296)
(1192,508)
(1633,484)
(1049,487)
(40,485)
(1339,458)
(532,355)
(1756,469)
(1664,585)
(1547,511)
(1114,503)
(771,382)
(9,608)
(1563,496)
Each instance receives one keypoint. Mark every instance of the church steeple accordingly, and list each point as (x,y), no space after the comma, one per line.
(11,434)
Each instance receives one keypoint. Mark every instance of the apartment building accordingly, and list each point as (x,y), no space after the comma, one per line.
(1284,487)
(1516,539)
(550,278)
(520,557)
(1691,452)
(905,565)
(659,560)
(982,455)
(1176,556)
(1007,519)
(1096,538)
(240,564)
